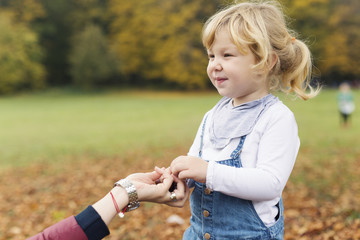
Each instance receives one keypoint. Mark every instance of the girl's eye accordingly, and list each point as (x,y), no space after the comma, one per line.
(211,56)
(227,55)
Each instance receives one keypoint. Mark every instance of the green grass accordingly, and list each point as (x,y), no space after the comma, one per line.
(55,127)
(329,153)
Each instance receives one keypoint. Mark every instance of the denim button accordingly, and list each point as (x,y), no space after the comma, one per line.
(207,191)
(206,213)
(207,236)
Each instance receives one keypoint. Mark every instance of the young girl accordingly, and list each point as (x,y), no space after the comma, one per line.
(246,146)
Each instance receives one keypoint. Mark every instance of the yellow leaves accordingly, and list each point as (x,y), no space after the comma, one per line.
(331,28)
(336,56)
(38,196)
(308,3)
(159,40)
(58,215)
(308,217)
(27,10)
(20,56)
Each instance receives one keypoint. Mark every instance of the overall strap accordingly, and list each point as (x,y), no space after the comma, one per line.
(202,137)
(238,149)
(233,155)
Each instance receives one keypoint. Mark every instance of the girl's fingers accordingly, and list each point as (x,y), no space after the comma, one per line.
(176,168)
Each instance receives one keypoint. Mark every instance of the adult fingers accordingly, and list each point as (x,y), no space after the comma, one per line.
(178,203)
(159,170)
(154,175)
(167,181)
(181,193)
(180,190)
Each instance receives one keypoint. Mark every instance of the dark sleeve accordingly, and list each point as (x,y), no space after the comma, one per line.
(92,224)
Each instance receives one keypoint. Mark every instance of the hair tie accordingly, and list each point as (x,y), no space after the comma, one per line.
(293,39)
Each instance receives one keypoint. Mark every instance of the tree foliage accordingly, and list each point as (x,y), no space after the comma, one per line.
(331,27)
(20,56)
(90,60)
(64,20)
(24,11)
(159,41)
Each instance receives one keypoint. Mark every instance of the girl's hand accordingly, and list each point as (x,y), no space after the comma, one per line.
(189,167)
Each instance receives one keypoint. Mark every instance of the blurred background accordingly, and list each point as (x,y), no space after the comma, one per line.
(93,90)
(103,43)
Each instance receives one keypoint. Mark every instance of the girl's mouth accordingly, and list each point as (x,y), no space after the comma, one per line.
(220,80)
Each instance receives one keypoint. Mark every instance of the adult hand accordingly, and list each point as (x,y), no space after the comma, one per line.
(146,188)
(181,191)
(189,167)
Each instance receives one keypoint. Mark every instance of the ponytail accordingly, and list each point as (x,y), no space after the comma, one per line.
(293,70)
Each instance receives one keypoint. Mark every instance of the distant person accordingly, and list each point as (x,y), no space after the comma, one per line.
(246,145)
(92,222)
(346,104)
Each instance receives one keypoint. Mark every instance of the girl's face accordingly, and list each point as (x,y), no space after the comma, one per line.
(230,71)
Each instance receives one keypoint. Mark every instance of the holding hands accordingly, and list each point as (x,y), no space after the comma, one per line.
(181,168)
(155,187)
(168,185)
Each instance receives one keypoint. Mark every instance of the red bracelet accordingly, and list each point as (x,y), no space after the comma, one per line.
(121,214)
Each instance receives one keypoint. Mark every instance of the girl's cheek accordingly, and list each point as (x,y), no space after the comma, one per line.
(208,71)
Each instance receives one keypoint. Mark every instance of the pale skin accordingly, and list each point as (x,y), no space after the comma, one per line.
(230,71)
(147,191)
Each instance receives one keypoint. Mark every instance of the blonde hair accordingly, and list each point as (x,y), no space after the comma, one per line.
(261,27)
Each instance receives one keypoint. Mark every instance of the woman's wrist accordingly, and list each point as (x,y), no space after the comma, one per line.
(106,206)
(121,196)
(133,201)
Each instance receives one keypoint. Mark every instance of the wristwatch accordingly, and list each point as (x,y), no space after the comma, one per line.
(131,190)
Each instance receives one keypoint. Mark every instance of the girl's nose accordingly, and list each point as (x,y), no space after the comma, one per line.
(218,67)
(215,65)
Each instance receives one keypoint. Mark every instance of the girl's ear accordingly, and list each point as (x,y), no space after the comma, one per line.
(273,60)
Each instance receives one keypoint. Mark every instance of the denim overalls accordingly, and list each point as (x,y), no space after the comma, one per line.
(218,216)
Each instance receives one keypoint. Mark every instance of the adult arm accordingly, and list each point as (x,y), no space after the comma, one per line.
(92,222)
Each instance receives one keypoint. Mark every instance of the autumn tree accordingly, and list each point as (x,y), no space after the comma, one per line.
(20,56)
(91,61)
(64,20)
(160,40)
(24,11)
(331,28)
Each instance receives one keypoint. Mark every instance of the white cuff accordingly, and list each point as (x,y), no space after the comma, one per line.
(210,175)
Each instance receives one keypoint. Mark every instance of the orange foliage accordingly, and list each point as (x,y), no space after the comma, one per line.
(38,196)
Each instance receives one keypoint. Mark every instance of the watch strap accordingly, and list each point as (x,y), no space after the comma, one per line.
(131,190)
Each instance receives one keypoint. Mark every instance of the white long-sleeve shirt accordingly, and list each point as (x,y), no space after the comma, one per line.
(268,157)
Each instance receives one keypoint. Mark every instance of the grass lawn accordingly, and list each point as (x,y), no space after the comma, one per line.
(56,127)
